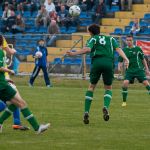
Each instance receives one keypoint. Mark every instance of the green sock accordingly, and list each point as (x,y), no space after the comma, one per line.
(148,89)
(88,100)
(107,98)
(124,93)
(30,118)
(7,113)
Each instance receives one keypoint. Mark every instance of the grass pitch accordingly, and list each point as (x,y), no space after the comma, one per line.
(63,105)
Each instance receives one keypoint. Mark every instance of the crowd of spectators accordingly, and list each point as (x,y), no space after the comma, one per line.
(52,14)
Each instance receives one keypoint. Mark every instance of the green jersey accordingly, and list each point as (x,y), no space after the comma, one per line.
(2,64)
(102,45)
(135,56)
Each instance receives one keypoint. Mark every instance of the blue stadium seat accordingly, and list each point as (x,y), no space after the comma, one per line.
(147,16)
(57,61)
(118,31)
(143,23)
(88,61)
(76,61)
(127,30)
(67,61)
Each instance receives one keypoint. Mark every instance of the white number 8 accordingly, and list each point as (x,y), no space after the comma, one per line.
(102,40)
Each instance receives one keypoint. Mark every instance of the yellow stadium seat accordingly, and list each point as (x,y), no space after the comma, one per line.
(141,7)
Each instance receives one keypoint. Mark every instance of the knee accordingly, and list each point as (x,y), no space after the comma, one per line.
(125,83)
(91,87)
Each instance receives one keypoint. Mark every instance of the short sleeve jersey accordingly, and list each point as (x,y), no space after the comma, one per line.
(135,56)
(102,45)
(2,64)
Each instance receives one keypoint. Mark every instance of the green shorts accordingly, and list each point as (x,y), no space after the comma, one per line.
(7,92)
(102,66)
(139,75)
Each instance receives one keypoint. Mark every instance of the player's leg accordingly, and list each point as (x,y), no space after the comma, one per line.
(2,106)
(16,101)
(34,75)
(94,78)
(46,78)
(108,75)
(125,92)
(141,76)
(147,85)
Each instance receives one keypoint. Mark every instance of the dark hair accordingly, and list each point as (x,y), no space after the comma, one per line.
(129,36)
(1,40)
(94,29)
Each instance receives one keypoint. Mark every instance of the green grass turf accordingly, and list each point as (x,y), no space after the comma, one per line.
(62,105)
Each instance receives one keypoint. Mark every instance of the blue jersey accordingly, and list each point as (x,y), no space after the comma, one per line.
(43,60)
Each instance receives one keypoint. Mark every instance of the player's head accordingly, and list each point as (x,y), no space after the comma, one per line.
(1,40)
(41,42)
(129,40)
(94,29)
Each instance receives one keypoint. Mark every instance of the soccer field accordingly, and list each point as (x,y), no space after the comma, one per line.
(63,105)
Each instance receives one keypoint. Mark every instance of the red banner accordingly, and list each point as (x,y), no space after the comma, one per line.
(145,45)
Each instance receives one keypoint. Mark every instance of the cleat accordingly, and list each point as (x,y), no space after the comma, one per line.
(86,118)
(1,127)
(43,127)
(105,114)
(30,85)
(49,86)
(124,104)
(20,127)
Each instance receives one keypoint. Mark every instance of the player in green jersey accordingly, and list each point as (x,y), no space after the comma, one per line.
(101,49)
(137,67)
(7,93)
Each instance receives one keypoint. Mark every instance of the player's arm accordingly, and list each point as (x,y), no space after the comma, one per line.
(122,54)
(9,50)
(84,50)
(3,69)
(87,49)
(146,67)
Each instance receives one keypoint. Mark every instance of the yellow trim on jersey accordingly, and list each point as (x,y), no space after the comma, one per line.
(4,43)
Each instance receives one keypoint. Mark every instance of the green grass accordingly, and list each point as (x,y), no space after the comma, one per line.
(62,105)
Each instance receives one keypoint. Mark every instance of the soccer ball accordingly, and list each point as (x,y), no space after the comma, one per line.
(74,10)
(38,54)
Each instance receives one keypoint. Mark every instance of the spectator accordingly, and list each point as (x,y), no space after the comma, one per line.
(72,2)
(129,6)
(86,5)
(34,5)
(53,30)
(52,16)
(8,18)
(20,8)
(41,17)
(49,5)
(99,12)
(63,18)
(114,2)
(6,13)
(135,27)
(19,26)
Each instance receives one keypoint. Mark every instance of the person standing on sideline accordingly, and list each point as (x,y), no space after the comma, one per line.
(101,49)
(138,68)
(40,63)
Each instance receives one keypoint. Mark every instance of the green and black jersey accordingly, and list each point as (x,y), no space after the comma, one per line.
(2,64)
(102,45)
(135,56)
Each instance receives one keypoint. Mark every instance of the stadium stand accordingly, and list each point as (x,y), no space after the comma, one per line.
(119,23)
